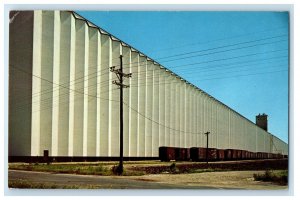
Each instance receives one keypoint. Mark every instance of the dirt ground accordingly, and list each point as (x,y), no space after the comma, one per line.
(225,180)
(158,175)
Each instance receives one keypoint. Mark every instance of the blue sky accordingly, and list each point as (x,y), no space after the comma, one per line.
(240,58)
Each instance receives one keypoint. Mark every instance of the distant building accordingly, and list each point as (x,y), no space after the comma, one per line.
(262,121)
(61,97)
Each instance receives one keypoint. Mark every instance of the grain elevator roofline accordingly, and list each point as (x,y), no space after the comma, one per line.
(103,31)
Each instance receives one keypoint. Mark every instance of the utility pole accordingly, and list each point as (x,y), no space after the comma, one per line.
(207,146)
(119,73)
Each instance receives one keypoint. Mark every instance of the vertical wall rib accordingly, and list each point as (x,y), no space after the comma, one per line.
(87,96)
(214,125)
(194,122)
(167,108)
(142,104)
(172,111)
(134,104)
(72,86)
(187,117)
(182,115)
(79,96)
(191,120)
(149,104)
(162,108)
(56,80)
(114,103)
(36,83)
(197,120)
(202,130)
(177,111)
(202,136)
(104,87)
(91,90)
(126,99)
(155,111)
(99,95)
(62,70)
(46,81)
(190,117)
(21,95)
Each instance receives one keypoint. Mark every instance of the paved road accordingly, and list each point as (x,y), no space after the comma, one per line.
(89,181)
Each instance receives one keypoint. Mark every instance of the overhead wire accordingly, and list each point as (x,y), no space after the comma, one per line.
(175,82)
(224,46)
(96,72)
(75,91)
(52,89)
(220,39)
(224,39)
(223,59)
(133,78)
(104,85)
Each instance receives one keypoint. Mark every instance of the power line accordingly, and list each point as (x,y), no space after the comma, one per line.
(234,71)
(177,130)
(217,60)
(192,52)
(230,58)
(61,95)
(228,50)
(175,82)
(213,52)
(103,85)
(223,59)
(158,122)
(212,67)
(102,74)
(236,64)
(220,39)
(62,85)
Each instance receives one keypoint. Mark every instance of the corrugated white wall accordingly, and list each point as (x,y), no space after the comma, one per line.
(75,109)
(21,100)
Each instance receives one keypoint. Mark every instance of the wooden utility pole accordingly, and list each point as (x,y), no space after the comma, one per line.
(120,75)
(207,146)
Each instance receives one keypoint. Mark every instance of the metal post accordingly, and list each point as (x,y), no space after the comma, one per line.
(207,146)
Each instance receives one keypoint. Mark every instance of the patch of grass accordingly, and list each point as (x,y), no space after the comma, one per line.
(279,177)
(84,169)
(29,185)
(133,173)
(66,168)
(126,172)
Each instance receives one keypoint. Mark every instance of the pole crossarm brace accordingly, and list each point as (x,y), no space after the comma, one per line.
(120,73)
(120,85)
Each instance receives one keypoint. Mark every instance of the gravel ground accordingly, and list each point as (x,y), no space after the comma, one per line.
(225,180)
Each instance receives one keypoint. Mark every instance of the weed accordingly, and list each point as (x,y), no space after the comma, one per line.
(280,177)
(173,168)
(117,170)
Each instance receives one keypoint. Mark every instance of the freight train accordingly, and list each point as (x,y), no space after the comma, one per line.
(212,154)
